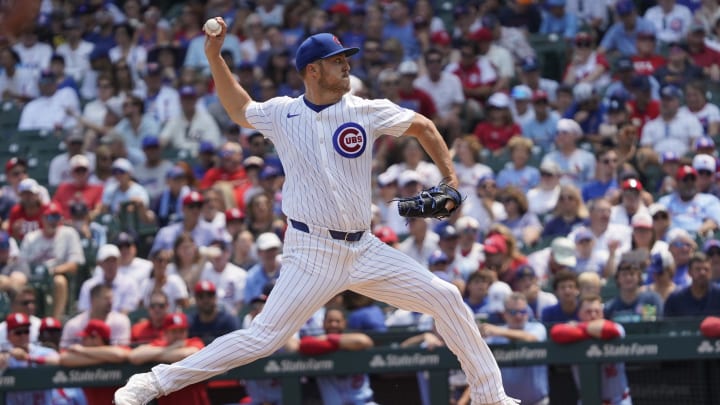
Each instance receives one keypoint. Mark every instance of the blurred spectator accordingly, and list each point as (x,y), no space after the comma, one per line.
(605,176)
(25,215)
(202,233)
(124,191)
(543,198)
(22,301)
(49,110)
(60,167)
(646,61)
(631,304)
(499,128)
(643,236)
(234,221)
(521,100)
(191,126)
(568,213)
(421,240)
(484,207)
(661,220)
(230,168)
(587,110)
(50,332)
(410,95)
(195,55)
(705,165)
(670,164)
(679,69)
(21,353)
(630,204)
(152,327)
(701,55)
(229,279)
(660,274)
(75,51)
(126,49)
(476,289)
(57,247)
(518,173)
(711,248)
(267,270)
(135,124)
(468,169)
(550,261)
(103,164)
(530,76)
(589,283)
(674,130)
(210,320)
(682,248)
(586,259)
(589,13)
(363,315)
(613,380)
(586,65)
(441,266)
(478,76)
(168,205)
(171,284)
(556,19)
(701,297)
(151,173)
(446,90)
(79,188)
(126,294)
(413,159)
(621,35)
(33,53)
(526,283)
(174,346)
(13,272)
(17,82)
(696,103)
(335,338)
(502,253)
(400,26)
(96,348)
(672,21)
(696,213)
(525,226)
(448,244)
(521,14)
(469,252)
(101,303)
(576,165)
(610,239)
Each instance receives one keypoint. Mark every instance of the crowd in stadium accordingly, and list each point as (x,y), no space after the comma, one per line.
(600,179)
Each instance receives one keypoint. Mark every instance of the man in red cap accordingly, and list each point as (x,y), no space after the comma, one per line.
(95,349)
(230,168)
(630,202)
(58,248)
(234,221)
(151,328)
(697,213)
(210,320)
(23,354)
(24,216)
(50,333)
(174,346)
(202,232)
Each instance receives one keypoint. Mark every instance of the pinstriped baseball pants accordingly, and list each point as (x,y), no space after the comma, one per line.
(316,268)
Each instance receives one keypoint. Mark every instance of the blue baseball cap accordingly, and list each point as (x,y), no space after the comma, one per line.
(207,147)
(4,240)
(669,157)
(438,257)
(175,172)
(624,7)
(704,142)
(711,244)
(150,142)
(670,90)
(320,46)
(530,65)
(269,172)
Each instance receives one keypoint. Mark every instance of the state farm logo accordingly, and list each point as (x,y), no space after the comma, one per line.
(349,140)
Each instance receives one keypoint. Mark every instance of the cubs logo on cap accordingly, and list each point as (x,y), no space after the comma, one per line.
(350,140)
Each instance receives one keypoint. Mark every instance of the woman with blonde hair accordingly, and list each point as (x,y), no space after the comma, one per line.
(525,225)
(466,154)
(517,172)
(569,212)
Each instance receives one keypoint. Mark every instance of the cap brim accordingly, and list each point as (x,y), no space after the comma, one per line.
(345,51)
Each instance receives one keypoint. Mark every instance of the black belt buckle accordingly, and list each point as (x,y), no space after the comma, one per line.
(346,236)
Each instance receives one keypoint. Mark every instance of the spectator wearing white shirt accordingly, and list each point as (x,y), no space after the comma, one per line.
(630,203)
(127,50)
(543,198)
(483,206)
(131,266)
(17,82)
(172,285)
(227,277)
(33,54)
(696,103)
(49,110)
(125,292)
(671,20)
(470,252)
(59,170)
(101,303)
(152,173)
(696,213)
(413,160)
(135,125)
(421,242)
(192,126)
(446,90)
(22,300)
(611,240)
(75,51)
(162,102)
(576,165)
(673,130)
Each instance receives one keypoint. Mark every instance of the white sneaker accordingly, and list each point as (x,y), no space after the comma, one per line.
(139,390)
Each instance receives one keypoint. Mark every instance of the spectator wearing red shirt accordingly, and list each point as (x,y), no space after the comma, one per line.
(79,189)
(25,215)
(229,168)
(152,327)
(646,61)
(706,58)
(496,131)
(412,97)
(476,74)
(174,346)
(95,349)
(642,107)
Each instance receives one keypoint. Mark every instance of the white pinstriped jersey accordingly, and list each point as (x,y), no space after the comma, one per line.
(328,154)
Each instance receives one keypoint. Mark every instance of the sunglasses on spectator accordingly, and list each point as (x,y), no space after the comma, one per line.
(705,173)
(205,295)
(194,205)
(661,215)
(546,174)
(27,303)
(608,161)
(680,244)
(53,217)
(515,312)
(157,305)
(17,173)
(20,332)
(567,198)
(80,170)
(118,171)
(584,44)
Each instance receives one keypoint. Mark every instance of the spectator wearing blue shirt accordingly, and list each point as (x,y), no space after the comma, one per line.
(697,213)
(622,34)
(631,304)
(682,248)
(210,320)
(605,176)
(569,212)
(267,270)
(364,315)
(700,297)
(517,173)
(543,127)
(565,285)
(587,109)
(556,20)
(400,27)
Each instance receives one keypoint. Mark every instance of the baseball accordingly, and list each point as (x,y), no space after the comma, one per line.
(212,27)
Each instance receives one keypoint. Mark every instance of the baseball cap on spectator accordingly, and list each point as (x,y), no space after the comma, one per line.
(253,161)
(656,208)
(484,178)
(386,234)
(448,232)
(521,92)
(539,95)
(583,91)
(685,171)
(408,177)
(52,209)
(642,220)
(669,157)
(50,323)
(582,234)
(696,27)
(153,69)
(555,3)
(47,76)
(408,67)
(549,167)
(150,142)
(438,257)
(624,7)
(530,65)
(631,184)
(562,250)
(29,185)
(176,320)
(676,46)
(320,46)
(123,165)
(188,91)
(268,240)
(495,244)
(616,104)
(481,35)
(17,320)
(96,328)
(124,239)
(704,142)
(13,162)
(204,286)
(704,162)
(74,136)
(679,235)
(440,38)
(582,36)
(569,125)
(624,64)
(713,244)
(524,271)
(660,261)
(646,33)
(176,172)
(499,100)
(4,240)
(670,91)
(193,197)
(386,178)
(497,292)
(269,172)
(467,224)
(339,8)
(234,214)
(107,251)
(79,161)
(206,147)
(640,83)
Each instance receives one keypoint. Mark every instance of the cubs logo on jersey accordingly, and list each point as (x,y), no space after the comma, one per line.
(349,140)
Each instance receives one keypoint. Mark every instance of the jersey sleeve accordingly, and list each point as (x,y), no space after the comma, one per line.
(390,118)
(263,115)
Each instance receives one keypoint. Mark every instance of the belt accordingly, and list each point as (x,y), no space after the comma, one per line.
(339,235)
